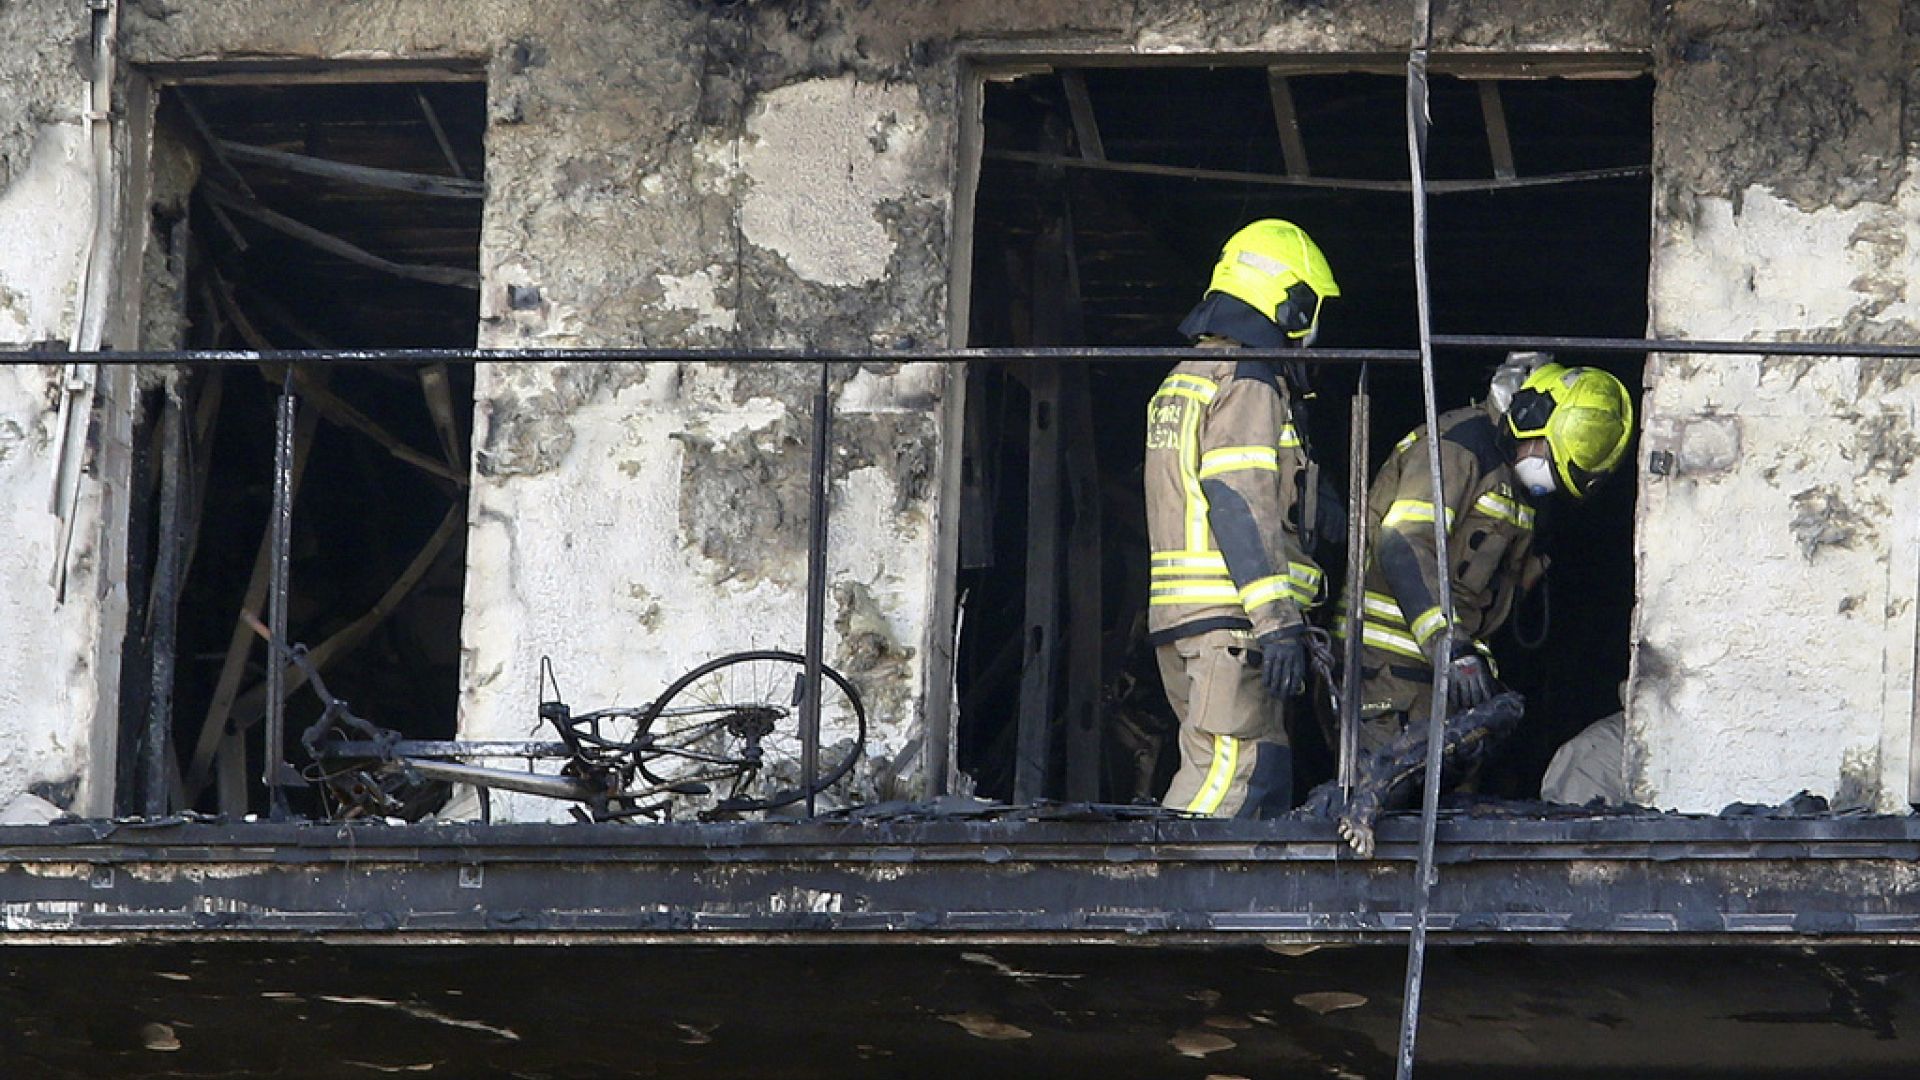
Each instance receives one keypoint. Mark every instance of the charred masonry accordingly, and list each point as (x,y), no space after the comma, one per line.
(688,196)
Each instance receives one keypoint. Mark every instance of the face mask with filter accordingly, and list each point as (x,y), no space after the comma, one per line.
(1536,475)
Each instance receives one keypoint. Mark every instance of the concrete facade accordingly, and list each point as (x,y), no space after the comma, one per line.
(741,175)
(1775,632)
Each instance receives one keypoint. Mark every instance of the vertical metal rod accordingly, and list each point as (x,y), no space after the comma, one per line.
(820,491)
(282,529)
(1359,436)
(163,614)
(1437,718)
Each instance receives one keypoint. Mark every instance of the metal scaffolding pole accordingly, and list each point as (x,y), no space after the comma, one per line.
(1437,717)
(820,492)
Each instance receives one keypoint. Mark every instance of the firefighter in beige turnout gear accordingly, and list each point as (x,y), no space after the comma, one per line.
(1561,429)
(1229,578)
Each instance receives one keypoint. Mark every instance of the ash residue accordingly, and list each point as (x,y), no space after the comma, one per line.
(869,654)
(1803,97)
(744,500)
(1822,520)
(531,423)
(1884,443)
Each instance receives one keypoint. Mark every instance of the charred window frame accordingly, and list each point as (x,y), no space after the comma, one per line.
(320,206)
(1513,135)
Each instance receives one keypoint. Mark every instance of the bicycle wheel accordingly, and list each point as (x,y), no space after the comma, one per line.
(733,723)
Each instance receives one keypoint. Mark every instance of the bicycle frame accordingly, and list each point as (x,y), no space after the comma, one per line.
(634,769)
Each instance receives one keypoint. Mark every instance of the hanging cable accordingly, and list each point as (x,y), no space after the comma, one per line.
(1437,719)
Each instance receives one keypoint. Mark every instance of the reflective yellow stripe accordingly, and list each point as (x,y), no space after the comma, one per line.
(1213,791)
(1495,505)
(1236,458)
(1406,441)
(1266,591)
(1188,557)
(1197,530)
(1198,592)
(1307,580)
(1428,624)
(1187,563)
(1404,510)
(1179,392)
(1289,438)
(1392,641)
(1383,608)
(1193,386)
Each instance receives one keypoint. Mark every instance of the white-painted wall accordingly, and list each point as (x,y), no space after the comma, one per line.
(1777,563)
(56,673)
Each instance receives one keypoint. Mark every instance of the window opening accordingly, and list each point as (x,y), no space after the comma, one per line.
(333,215)
(1071,249)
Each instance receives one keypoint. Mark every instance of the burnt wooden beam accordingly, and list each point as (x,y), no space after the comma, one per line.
(1434,187)
(1040,659)
(212,142)
(252,706)
(353,253)
(220,295)
(1499,143)
(1085,676)
(1086,130)
(287,320)
(338,410)
(163,612)
(1293,148)
(979,455)
(439,394)
(331,405)
(439,133)
(366,175)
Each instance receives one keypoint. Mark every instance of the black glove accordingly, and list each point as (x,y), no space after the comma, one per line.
(1470,682)
(1283,660)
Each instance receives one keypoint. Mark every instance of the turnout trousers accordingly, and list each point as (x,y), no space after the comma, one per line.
(1235,760)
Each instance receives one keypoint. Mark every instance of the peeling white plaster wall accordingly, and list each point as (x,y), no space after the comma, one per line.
(823,157)
(587,564)
(582,546)
(50,682)
(1778,563)
(44,221)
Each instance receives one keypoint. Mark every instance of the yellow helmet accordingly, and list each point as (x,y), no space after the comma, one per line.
(1584,414)
(1276,268)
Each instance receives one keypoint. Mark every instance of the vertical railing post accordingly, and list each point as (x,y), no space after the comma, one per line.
(820,491)
(275,767)
(1359,436)
(163,613)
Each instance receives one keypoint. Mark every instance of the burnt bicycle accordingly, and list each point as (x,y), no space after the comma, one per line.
(721,741)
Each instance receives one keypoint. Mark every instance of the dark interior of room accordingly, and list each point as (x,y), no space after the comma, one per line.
(1135,251)
(285,251)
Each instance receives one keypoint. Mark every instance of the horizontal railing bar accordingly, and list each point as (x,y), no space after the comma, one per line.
(648,355)
(1841,349)
(1082,354)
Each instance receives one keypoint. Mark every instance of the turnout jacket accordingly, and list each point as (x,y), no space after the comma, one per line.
(1489,542)
(1224,468)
